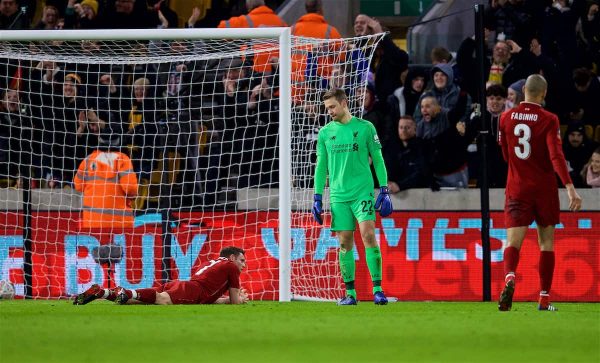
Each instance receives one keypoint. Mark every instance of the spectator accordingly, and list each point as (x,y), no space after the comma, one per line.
(109,184)
(14,139)
(466,62)
(590,173)
(260,163)
(548,68)
(441,55)
(444,90)
(228,124)
(584,101)
(141,128)
(374,111)
(209,15)
(89,126)
(11,18)
(577,149)
(497,169)
(404,100)
(446,139)
(161,7)
(590,24)
(259,15)
(313,24)
(309,64)
(83,15)
(59,114)
(388,61)
(515,94)
(511,18)
(405,158)
(49,20)
(510,63)
(559,32)
(128,14)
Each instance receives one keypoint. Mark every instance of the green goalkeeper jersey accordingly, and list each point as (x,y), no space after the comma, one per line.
(343,153)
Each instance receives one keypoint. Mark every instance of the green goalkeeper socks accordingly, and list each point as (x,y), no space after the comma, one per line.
(374,265)
(348,268)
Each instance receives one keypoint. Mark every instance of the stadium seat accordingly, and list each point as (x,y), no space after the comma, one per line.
(472,182)
(202,138)
(163,174)
(589,131)
(140,200)
(7,183)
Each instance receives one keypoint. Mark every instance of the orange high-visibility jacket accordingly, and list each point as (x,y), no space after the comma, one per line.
(108,183)
(313,25)
(261,16)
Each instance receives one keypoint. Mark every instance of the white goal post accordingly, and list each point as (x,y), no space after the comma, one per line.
(325,63)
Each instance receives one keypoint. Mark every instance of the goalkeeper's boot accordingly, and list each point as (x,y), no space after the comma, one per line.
(544,303)
(506,297)
(89,295)
(123,295)
(348,300)
(379,298)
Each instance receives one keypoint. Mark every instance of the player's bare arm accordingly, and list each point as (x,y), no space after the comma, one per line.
(236,296)
(575,200)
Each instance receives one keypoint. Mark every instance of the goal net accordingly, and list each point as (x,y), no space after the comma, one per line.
(131,157)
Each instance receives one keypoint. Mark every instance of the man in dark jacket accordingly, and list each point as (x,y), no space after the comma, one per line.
(405,158)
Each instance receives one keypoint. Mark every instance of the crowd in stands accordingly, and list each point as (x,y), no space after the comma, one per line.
(220,118)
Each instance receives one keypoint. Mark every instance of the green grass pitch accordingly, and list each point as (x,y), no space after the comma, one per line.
(55,331)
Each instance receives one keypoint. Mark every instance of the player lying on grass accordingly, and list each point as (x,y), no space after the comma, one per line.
(206,286)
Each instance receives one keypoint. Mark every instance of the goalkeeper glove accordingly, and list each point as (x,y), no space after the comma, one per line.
(384,202)
(317,209)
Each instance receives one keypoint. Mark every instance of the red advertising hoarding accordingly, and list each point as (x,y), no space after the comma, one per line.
(426,255)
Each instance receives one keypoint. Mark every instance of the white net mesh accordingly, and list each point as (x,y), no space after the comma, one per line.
(198,123)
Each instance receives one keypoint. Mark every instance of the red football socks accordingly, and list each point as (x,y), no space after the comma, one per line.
(110,294)
(511,260)
(147,296)
(546,270)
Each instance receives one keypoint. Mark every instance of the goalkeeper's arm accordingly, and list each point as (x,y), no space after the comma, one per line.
(379,165)
(321,167)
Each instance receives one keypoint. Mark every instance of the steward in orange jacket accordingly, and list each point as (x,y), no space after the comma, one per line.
(259,15)
(108,183)
(313,25)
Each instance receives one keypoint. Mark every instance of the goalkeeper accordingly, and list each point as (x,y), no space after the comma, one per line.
(343,149)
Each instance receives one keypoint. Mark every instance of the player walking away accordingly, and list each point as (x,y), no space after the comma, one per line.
(531,145)
(343,149)
(206,286)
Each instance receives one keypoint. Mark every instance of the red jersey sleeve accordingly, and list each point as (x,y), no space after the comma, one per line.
(502,137)
(233,276)
(557,157)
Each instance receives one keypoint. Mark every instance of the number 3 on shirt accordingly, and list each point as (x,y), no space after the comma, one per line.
(523,132)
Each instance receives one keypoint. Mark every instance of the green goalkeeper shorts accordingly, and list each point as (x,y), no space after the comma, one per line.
(344,215)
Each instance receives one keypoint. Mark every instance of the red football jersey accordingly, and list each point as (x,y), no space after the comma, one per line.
(216,277)
(531,145)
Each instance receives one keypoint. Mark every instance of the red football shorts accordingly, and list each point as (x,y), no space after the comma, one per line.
(182,292)
(543,209)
